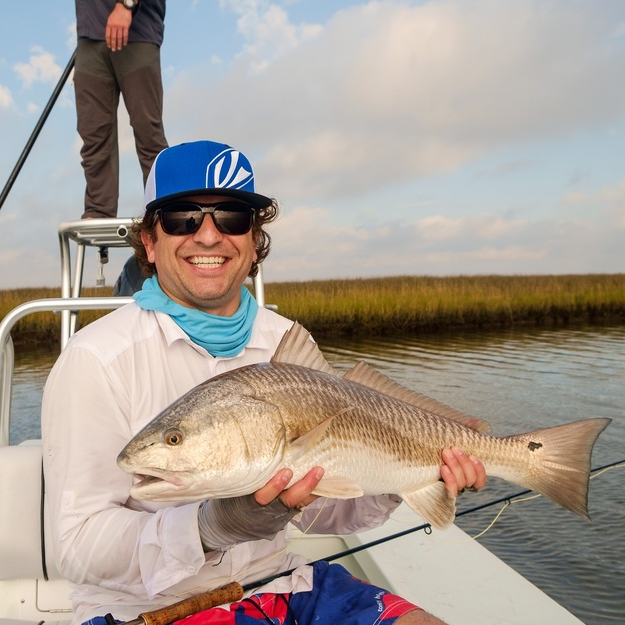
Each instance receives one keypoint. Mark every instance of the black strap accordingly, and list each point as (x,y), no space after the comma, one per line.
(44,566)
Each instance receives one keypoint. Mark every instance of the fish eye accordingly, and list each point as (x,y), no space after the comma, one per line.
(173,437)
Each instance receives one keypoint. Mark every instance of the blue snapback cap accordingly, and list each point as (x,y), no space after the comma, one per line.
(201,168)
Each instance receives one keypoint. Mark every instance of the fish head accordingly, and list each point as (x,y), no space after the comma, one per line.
(206,445)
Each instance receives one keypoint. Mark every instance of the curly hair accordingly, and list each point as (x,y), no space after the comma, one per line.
(262,217)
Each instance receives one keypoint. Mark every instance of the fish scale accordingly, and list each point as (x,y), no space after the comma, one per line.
(229,435)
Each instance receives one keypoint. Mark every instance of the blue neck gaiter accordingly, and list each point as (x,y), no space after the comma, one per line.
(219,336)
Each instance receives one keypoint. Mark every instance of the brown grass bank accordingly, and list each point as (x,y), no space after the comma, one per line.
(44,328)
(401,304)
(409,304)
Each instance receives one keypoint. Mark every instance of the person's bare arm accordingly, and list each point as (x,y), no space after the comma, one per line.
(418,617)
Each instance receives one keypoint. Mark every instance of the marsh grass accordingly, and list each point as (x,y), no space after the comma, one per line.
(396,305)
(44,328)
(407,304)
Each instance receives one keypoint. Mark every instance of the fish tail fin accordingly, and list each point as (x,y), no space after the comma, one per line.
(560,465)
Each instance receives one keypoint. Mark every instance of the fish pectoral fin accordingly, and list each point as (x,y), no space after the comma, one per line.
(309,440)
(434,503)
(338,487)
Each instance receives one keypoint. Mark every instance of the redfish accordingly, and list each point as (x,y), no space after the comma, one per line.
(229,435)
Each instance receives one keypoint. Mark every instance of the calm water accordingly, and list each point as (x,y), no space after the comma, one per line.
(517,380)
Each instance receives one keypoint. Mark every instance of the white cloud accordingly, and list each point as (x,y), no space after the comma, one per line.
(6,219)
(612,196)
(477,227)
(311,243)
(607,204)
(125,139)
(71,36)
(41,67)
(389,92)
(268,31)
(6,99)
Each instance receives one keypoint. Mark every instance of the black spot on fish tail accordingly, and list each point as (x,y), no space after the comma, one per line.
(562,455)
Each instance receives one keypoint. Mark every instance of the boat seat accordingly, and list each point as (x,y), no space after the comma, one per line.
(25,550)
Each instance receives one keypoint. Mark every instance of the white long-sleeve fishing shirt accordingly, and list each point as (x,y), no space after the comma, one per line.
(124,556)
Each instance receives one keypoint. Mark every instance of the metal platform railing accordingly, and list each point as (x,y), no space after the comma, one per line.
(100,233)
(53,304)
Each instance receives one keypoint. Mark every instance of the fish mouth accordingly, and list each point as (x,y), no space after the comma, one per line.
(156,485)
(146,480)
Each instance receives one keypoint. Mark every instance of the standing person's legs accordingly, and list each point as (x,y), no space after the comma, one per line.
(138,72)
(97,99)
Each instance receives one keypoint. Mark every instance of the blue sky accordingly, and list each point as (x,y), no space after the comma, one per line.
(424,138)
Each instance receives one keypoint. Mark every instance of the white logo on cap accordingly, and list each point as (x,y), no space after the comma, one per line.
(226,172)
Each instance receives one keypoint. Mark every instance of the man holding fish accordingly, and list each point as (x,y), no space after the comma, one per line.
(201,236)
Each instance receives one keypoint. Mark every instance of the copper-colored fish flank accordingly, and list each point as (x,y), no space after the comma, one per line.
(371,435)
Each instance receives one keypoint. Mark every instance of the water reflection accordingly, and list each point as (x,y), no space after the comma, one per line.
(29,376)
(521,380)
(517,380)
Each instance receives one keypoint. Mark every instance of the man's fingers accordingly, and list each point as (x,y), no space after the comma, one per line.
(266,494)
(116,37)
(480,472)
(300,494)
(460,471)
(297,495)
(117,27)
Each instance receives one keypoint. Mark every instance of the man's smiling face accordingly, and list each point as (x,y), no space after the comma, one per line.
(205,269)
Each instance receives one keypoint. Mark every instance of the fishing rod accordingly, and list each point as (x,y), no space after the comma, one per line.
(204,601)
(37,129)
(234,591)
(424,526)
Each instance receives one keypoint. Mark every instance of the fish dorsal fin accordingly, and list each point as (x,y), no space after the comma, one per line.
(368,376)
(297,348)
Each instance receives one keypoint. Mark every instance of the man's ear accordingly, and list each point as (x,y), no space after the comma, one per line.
(148,243)
(255,240)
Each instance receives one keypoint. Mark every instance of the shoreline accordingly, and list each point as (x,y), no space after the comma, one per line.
(397,305)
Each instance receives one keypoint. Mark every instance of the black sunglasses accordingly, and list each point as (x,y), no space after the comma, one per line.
(187,217)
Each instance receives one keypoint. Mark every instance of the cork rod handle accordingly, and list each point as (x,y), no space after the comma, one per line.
(226,594)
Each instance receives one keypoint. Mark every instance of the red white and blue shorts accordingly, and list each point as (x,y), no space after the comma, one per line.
(336,597)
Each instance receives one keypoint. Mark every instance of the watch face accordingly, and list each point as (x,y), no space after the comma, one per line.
(129,4)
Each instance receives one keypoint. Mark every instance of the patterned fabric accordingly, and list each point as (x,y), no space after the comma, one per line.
(336,597)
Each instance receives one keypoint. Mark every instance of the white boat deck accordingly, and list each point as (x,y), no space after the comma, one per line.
(446,572)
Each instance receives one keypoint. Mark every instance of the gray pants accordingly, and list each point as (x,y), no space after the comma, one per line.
(99,77)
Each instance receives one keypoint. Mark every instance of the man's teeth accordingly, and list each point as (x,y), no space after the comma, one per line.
(207,261)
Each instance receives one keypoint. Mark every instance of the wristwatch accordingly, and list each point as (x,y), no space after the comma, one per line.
(129,4)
